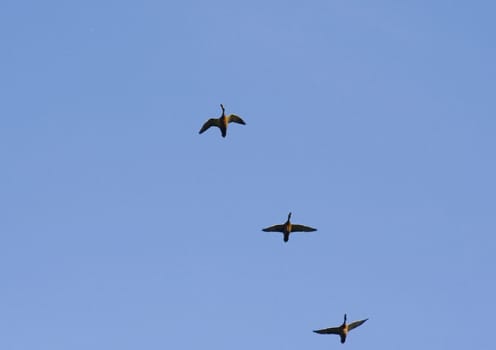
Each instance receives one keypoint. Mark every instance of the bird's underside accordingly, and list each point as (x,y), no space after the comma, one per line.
(221,123)
(294,228)
(342,331)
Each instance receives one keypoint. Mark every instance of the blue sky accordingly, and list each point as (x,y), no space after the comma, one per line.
(121,227)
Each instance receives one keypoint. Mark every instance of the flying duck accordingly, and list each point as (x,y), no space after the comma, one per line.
(288,227)
(222,122)
(342,330)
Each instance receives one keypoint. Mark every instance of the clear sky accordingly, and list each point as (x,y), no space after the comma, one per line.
(122,228)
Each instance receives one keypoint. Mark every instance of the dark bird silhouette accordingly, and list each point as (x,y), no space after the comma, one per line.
(342,330)
(222,122)
(288,227)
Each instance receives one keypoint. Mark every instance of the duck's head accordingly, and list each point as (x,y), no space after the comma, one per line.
(289,216)
(222,106)
(344,322)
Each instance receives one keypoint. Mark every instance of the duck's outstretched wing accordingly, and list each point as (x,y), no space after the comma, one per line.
(209,123)
(233,118)
(332,330)
(356,324)
(275,228)
(302,228)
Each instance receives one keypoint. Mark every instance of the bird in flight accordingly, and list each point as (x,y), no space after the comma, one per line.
(288,227)
(222,122)
(342,330)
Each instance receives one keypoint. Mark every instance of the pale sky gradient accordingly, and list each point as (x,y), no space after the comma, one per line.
(122,228)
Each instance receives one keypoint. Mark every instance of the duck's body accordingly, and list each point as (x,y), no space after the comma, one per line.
(222,122)
(342,330)
(288,227)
